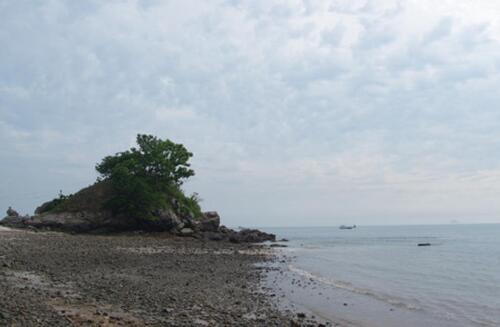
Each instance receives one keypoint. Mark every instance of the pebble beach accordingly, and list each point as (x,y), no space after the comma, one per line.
(59,279)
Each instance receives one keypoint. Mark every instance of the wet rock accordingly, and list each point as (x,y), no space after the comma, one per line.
(251,236)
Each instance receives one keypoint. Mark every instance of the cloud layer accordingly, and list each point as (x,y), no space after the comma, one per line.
(298,112)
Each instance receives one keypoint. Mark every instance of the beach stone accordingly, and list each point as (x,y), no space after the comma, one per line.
(250,316)
(200,322)
(186,232)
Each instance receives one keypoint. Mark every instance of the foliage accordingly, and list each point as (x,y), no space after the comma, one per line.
(184,205)
(148,177)
(55,204)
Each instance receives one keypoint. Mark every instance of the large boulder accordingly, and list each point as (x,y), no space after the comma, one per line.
(208,222)
(164,220)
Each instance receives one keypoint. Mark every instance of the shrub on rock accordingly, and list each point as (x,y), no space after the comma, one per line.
(149,178)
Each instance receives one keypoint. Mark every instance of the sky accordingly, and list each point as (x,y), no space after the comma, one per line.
(298,112)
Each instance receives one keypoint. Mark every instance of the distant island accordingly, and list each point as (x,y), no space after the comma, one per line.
(139,189)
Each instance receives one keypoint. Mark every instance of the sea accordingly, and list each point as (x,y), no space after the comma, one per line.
(378,276)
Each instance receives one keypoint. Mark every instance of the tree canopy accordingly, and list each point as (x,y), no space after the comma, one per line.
(149,177)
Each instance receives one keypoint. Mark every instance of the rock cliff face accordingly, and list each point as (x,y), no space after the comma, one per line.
(84,212)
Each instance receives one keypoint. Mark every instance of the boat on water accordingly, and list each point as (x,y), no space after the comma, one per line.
(347,227)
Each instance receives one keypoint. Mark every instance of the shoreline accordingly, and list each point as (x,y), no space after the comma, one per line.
(58,279)
(297,290)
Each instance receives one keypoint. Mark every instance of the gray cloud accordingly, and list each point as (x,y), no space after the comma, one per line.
(298,112)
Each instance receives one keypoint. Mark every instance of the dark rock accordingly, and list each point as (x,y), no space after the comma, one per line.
(301,315)
(12,213)
(278,246)
(80,221)
(209,222)
(251,236)
(85,212)
(424,244)
(214,236)
(14,221)
(165,220)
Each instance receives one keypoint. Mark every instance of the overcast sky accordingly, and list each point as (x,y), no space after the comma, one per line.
(298,112)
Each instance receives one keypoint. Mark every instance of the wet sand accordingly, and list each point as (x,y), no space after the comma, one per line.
(299,291)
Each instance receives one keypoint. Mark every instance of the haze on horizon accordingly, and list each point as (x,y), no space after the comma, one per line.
(298,112)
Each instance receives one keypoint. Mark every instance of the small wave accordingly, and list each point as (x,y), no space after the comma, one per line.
(362,291)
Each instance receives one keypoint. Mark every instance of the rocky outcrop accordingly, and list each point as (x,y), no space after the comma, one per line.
(241,236)
(79,222)
(164,220)
(208,222)
(251,236)
(14,221)
(12,213)
(84,212)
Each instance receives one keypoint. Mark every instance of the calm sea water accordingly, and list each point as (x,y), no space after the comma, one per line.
(392,281)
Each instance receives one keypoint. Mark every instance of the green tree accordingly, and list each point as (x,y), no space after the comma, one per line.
(148,178)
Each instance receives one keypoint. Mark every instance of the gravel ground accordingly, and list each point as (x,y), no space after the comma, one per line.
(58,279)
